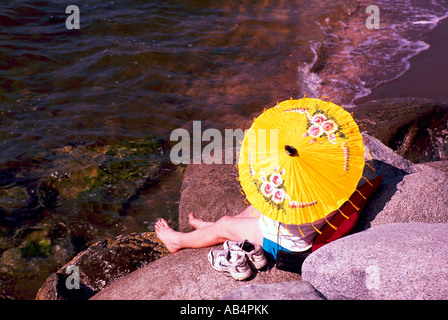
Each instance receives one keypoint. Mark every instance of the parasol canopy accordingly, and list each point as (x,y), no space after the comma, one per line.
(301,160)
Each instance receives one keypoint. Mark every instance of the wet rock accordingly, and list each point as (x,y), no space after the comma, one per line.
(391,261)
(417,129)
(101,264)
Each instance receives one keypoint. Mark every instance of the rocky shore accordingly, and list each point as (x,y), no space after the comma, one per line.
(399,242)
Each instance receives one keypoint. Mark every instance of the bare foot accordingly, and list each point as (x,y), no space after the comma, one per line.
(196,222)
(167,235)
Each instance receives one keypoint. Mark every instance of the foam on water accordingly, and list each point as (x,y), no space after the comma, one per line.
(353,60)
(308,81)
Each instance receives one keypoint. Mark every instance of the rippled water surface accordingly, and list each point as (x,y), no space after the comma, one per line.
(86,115)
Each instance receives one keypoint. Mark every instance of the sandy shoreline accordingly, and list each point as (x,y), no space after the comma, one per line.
(427,76)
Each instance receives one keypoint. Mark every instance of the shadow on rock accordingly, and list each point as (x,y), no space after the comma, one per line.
(392,176)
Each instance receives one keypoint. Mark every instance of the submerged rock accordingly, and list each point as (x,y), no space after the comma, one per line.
(19,205)
(5,241)
(14,198)
(104,174)
(79,191)
(27,256)
(96,183)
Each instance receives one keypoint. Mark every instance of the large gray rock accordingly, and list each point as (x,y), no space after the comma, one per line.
(438,165)
(419,197)
(186,274)
(392,261)
(210,191)
(289,290)
(408,193)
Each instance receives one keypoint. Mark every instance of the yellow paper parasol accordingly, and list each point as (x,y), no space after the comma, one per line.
(301,160)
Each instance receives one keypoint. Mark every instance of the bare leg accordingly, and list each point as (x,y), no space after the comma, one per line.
(250,211)
(199,223)
(196,222)
(227,228)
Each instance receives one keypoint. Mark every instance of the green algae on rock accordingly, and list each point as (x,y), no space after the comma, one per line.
(51,210)
(98,180)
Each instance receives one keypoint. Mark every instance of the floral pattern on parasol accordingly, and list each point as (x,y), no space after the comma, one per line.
(301,160)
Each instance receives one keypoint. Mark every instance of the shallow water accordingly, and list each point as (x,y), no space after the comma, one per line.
(144,68)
